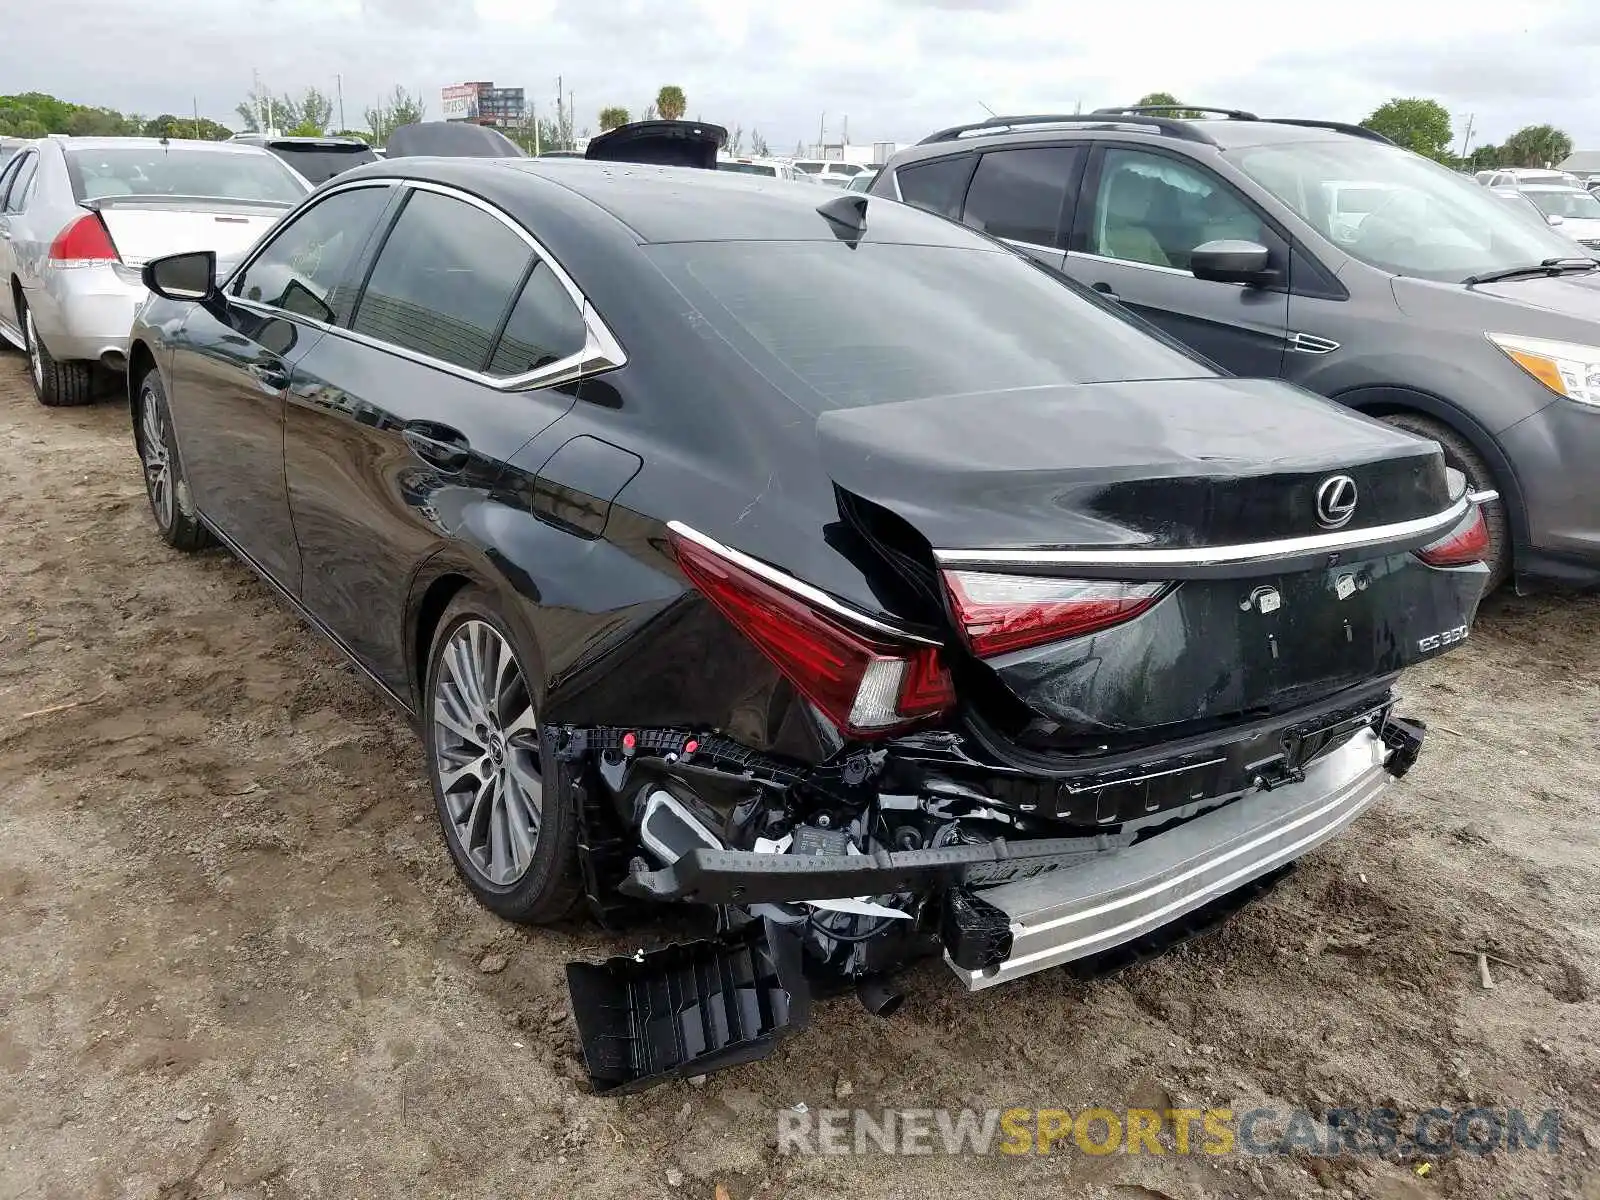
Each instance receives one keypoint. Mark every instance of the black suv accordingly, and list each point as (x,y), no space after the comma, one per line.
(1323,254)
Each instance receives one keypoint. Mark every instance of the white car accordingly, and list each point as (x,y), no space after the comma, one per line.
(772,168)
(79,217)
(1523,176)
(1573,211)
(829,171)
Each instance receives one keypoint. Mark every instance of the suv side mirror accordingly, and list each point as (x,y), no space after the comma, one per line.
(1231,261)
(190,276)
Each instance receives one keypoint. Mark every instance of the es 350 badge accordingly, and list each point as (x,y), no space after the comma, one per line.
(1437,641)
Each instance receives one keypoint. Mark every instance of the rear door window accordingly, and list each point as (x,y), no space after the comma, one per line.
(1022,194)
(937,186)
(308,267)
(444,280)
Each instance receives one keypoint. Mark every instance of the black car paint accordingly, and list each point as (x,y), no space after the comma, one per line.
(357,530)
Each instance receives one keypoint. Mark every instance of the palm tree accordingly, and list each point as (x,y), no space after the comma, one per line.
(670,102)
(611,116)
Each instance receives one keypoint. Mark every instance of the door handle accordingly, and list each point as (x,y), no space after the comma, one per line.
(438,445)
(1106,290)
(271,375)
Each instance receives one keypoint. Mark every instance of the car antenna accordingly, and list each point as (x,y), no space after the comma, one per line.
(847,214)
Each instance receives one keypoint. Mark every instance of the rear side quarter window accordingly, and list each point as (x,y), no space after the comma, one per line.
(938,186)
(545,326)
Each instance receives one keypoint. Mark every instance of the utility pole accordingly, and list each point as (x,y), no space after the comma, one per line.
(822,132)
(195,100)
(255,94)
(535,108)
(338,86)
(1466,138)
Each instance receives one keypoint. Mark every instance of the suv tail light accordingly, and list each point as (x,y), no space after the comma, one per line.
(868,682)
(1001,613)
(1467,543)
(86,240)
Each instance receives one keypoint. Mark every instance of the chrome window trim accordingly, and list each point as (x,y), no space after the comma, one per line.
(790,584)
(1019,244)
(1211,556)
(601,350)
(1128,262)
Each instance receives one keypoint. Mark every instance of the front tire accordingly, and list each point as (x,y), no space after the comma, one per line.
(505,804)
(1460,454)
(56,384)
(164,484)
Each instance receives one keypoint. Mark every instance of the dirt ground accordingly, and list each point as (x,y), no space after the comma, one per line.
(235,961)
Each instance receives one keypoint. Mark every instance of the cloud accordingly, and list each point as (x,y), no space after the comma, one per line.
(897,69)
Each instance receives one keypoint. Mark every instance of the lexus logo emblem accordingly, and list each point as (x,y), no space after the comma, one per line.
(1336,501)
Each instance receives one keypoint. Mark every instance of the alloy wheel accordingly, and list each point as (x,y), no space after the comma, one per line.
(486,750)
(157,458)
(31,337)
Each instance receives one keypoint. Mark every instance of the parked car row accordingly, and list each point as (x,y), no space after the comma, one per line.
(846,572)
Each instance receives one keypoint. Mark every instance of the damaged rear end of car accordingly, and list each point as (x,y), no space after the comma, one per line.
(1128,676)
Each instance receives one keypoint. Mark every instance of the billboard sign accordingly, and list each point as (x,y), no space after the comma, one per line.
(459,102)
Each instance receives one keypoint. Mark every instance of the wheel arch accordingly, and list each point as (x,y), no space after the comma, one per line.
(141,361)
(1386,400)
(435,583)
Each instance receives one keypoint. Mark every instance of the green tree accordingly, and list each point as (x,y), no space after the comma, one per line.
(358,134)
(1487,157)
(1168,100)
(671,102)
(758,145)
(260,111)
(315,111)
(398,108)
(1416,123)
(612,116)
(1537,146)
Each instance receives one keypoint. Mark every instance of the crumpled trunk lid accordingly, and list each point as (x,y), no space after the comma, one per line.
(1274,597)
(1152,464)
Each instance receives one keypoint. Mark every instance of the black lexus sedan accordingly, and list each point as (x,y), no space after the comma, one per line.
(821,567)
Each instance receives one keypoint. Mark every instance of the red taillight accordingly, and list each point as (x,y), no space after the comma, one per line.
(1467,543)
(85,240)
(1001,613)
(868,684)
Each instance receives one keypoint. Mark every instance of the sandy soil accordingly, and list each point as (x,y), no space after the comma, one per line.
(234,959)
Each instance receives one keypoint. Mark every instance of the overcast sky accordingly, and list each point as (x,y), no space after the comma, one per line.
(897,69)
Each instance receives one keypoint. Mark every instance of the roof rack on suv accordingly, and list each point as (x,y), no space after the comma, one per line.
(1360,131)
(1233,114)
(1167,125)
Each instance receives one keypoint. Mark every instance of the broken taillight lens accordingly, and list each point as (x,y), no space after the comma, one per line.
(1467,543)
(868,684)
(1001,613)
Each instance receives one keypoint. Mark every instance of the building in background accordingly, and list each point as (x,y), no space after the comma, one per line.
(483,104)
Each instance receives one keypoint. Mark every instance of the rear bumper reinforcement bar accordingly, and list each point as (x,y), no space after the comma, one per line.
(1120,896)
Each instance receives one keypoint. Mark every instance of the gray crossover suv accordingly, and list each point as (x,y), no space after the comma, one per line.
(1322,254)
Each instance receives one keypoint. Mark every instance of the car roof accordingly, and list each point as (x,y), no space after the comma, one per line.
(670,204)
(123,143)
(1549,187)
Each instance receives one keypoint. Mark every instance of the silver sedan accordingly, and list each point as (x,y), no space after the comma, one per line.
(79,217)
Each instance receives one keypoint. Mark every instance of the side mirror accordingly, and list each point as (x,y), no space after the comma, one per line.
(1231,261)
(190,276)
(1555,219)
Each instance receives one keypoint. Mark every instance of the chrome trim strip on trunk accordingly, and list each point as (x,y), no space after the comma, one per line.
(795,587)
(1211,556)
(1073,913)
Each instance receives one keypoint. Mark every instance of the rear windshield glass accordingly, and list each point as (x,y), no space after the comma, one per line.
(881,323)
(321,163)
(179,171)
(1571,203)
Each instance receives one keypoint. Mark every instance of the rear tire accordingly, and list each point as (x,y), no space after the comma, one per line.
(164,484)
(56,384)
(506,804)
(1460,454)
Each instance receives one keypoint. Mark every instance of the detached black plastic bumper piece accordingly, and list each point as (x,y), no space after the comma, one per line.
(976,934)
(688,1009)
(1404,738)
